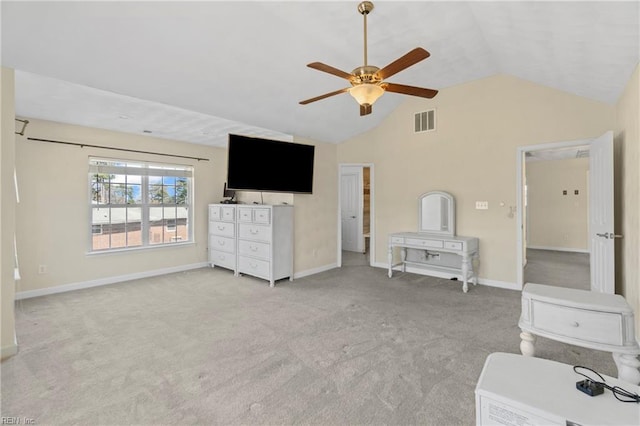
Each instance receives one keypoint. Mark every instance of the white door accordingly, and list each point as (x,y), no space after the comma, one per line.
(601,230)
(351,208)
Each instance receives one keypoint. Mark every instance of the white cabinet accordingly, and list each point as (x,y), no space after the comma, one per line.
(584,318)
(265,241)
(255,240)
(222,236)
(516,390)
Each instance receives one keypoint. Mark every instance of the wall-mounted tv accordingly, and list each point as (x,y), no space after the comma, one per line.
(256,164)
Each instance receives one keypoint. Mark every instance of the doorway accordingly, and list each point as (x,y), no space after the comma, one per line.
(356,231)
(556,208)
(590,197)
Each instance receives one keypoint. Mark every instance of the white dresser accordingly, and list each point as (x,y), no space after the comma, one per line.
(265,241)
(222,236)
(584,318)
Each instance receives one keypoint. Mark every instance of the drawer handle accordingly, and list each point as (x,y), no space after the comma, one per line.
(253,231)
(575,324)
(221,242)
(221,227)
(253,248)
(253,265)
(221,257)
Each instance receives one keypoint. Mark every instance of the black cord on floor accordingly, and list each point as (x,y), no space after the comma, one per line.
(621,394)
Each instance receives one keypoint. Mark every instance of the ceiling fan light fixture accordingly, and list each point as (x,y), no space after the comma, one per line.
(366,94)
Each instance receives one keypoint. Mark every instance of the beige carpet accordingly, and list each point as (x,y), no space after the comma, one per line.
(348,346)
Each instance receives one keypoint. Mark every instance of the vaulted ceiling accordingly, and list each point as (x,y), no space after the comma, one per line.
(195,70)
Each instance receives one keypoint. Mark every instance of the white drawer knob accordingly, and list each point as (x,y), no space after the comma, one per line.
(253,231)
(253,265)
(221,243)
(253,248)
(221,228)
(221,257)
(575,324)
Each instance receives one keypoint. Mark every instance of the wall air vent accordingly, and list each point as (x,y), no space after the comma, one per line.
(425,121)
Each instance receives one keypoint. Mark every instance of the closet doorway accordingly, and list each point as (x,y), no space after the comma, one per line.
(355,224)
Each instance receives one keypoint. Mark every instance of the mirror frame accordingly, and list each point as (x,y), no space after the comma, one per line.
(452,214)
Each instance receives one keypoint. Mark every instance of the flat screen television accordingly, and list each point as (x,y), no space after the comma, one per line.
(256,164)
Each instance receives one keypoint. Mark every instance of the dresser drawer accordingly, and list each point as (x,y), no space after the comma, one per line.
(228,213)
(397,240)
(214,213)
(424,243)
(216,242)
(220,258)
(259,268)
(590,326)
(253,248)
(244,214)
(262,216)
(225,229)
(453,245)
(254,232)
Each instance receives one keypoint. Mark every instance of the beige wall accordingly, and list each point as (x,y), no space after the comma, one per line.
(52,222)
(472,155)
(558,221)
(627,142)
(53,217)
(7,212)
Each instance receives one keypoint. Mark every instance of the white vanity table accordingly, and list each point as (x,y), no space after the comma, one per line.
(435,249)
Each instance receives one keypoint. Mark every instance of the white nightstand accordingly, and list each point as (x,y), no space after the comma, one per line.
(593,320)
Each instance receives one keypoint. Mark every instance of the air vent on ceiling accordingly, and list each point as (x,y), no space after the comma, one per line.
(425,121)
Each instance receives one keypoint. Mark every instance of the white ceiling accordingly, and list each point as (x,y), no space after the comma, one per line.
(191,71)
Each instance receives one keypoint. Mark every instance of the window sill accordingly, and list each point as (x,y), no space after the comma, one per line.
(138,249)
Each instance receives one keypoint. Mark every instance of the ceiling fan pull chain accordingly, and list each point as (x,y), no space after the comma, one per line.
(365,38)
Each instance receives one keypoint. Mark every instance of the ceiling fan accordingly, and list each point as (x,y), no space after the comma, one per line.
(367,81)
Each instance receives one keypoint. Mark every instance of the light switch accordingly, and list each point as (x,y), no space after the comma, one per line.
(482,205)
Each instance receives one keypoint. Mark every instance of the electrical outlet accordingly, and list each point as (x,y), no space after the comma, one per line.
(482,205)
(42,269)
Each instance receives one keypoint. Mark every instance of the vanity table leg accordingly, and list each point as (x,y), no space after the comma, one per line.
(390,257)
(627,367)
(527,344)
(403,257)
(465,272)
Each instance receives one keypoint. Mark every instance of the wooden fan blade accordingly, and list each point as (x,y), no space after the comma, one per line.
(329,69)
(410,90)
(411,58)
(365,109)
(326,95)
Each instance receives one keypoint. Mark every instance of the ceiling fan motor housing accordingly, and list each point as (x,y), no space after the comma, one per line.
(367,74)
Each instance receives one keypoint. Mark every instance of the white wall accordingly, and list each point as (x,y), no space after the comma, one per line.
(472,154)
(558,221)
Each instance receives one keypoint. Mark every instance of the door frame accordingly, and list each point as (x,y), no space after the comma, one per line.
(372,213)
(520,157)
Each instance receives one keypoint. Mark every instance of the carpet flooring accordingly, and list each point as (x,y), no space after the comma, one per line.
(558,268)
(347,346)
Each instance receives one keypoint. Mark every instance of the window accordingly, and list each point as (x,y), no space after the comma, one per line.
(138,204)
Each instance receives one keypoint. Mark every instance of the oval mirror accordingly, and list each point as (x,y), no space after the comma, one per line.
(436,213)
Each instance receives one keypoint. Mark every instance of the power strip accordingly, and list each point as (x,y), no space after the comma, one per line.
(589,387)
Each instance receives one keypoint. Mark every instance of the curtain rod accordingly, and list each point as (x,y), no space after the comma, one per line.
(82,145)
(24,126)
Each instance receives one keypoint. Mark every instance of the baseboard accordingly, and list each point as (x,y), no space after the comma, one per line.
(571,250)
(9,350)
(482,281)
(314,271)
(106,281)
